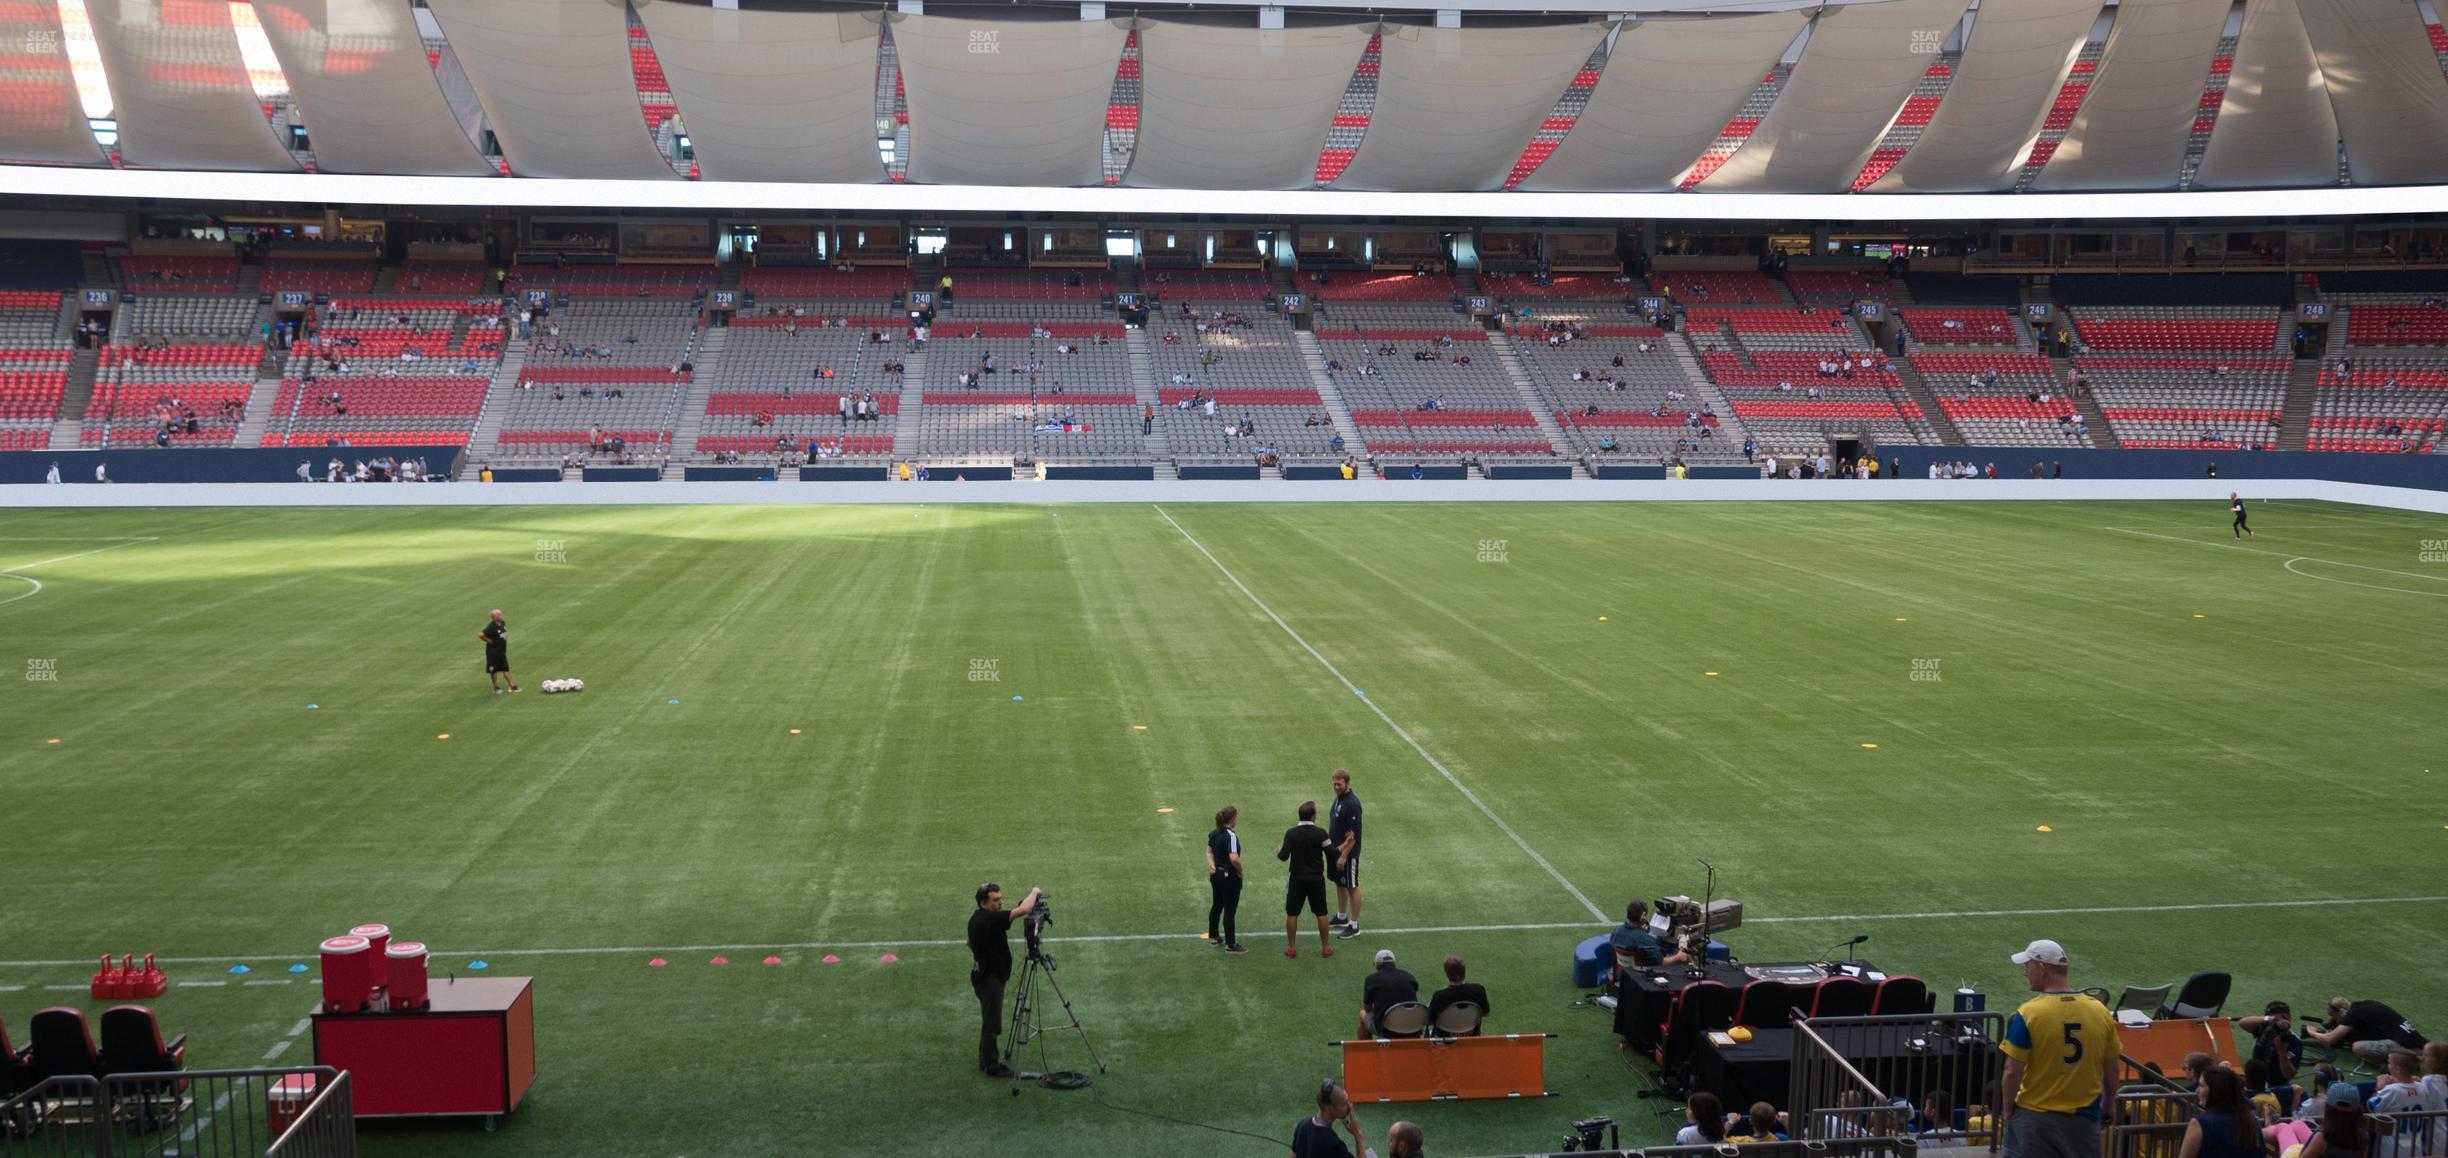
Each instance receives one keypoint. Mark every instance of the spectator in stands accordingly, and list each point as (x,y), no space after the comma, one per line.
(1761,1124)
(2403,1091)
(2226,1127)
(2369,1028)
(1456,990)
(2345,1132)
(1705,1120)
(2062,1050)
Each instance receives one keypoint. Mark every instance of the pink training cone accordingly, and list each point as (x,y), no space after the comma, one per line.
(719,961)
(773,960)
(889,958)
(657,963)
(832,959)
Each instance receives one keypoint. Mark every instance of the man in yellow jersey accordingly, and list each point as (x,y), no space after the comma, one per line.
(2061,1054)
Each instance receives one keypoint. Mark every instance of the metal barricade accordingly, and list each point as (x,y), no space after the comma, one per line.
(2406,1135)
(2151,1119)
(1859,1077)
(184,1114)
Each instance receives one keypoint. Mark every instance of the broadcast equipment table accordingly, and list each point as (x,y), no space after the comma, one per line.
(1761,1069)
(470,1052)
(1642,1005)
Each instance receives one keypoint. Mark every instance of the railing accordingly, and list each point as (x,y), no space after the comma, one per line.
(287,1113)
(1892,1146)
(1857,1078)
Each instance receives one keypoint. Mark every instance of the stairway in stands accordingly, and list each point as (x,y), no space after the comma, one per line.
(69,420)
(913,401)
(691,421)
(1153,443)
(1336,412)
(258,417)
(2295,415)
(1917,389)
(1509,358)
(485,441)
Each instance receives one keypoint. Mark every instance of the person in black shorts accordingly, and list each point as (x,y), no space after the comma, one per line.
(1224,881)
(1304,848)
(496,637)
(2242,531)
(1343,837)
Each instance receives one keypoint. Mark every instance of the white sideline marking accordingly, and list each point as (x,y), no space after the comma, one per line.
(304,1024)
(283,981)
(11,572)
(1188,937)
(2287,555)
(1433,762)
(2290,566)
(12,988)
(202,984)
(278,1048)
(65,988)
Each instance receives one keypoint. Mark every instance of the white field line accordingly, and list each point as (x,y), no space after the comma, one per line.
(1438,930)
(2290,556)
(36,584)
(279,1047)
(1433,762)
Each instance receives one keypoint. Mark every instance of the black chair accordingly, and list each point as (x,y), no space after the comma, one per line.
(1841,997)
(2203,995)
(1765,1005)
(1901,995)
(1701,1007)
(59,1045)
(16,1069)
(132,1044)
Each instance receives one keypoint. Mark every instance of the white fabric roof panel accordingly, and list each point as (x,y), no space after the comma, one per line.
(41,119)
(2138,116)
(1456,106)
(358,69)
(2020,53)
(179,89)
(1861,63)
(2384,83)
(556,84)
(772,96)
(1669,88)
(2275,126)
(1007,102)
(1238,108)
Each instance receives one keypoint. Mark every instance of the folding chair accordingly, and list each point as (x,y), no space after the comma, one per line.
(1409,1019)
(1460,1019)
(2203,995)
(2149,999)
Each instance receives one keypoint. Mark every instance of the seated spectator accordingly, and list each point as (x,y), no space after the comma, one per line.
(2226,1127)
(1706,1121)
(1760,1125)
(2370,1028)
(1457,990)
(2345,1131)
(1384,989)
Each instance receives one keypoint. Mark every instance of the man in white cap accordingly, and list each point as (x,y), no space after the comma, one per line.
(1382,990)
(2061,1054)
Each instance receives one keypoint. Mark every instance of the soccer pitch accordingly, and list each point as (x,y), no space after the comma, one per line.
(1860,713)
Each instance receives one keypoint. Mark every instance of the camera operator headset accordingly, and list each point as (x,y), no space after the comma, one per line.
(990,947)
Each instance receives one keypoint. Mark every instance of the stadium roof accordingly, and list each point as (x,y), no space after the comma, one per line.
(1892,97)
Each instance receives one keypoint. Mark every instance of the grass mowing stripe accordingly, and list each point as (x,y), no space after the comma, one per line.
(1127,938)
(1433,762)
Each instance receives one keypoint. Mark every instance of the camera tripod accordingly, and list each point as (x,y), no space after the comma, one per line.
(1025,1028)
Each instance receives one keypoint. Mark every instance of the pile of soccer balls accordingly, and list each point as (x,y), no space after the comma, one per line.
(555,686)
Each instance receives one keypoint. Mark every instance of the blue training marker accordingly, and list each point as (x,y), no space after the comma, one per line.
(671,701)
(311,707)
(1359,693)
(240,969)
(476,965)
(299,968)
(1015,699)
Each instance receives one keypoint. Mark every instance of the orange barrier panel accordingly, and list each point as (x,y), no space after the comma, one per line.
(2167,1043)
(1415,1069)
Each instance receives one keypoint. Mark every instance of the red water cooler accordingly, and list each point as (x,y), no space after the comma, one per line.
(348,974)
(378,938)
(406,970)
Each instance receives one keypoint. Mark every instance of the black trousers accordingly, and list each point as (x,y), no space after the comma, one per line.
(1226,891)
(990,1016)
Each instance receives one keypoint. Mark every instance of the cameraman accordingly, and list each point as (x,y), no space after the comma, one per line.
(990,945)
(2275,1043)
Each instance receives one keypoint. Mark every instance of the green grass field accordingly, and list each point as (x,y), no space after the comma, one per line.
(1627,687)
